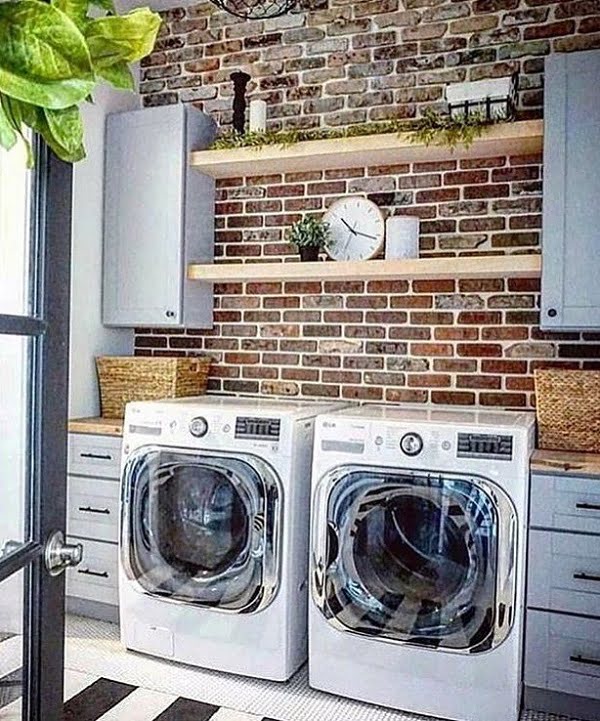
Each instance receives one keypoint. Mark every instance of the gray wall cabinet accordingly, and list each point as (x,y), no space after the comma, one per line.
(562,635)
(571,219)
(158,217)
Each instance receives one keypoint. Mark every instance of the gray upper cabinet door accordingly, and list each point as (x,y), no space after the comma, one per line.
(571,226)
(158,217)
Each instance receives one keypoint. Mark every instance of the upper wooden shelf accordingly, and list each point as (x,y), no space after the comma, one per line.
(484,266)
(519,138)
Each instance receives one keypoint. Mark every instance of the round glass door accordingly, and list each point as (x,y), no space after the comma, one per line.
(201,528)
(416,558)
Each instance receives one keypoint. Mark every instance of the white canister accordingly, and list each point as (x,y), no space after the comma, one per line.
(402,237)
(258,116)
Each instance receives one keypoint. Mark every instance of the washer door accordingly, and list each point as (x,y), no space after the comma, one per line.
(427,559)
(201,528)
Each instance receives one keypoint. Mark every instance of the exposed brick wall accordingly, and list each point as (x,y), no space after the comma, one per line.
(490,205)
(349,61)
(461,342)
(464,342)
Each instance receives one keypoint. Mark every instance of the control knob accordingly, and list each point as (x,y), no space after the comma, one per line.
(198,427)
(411,444)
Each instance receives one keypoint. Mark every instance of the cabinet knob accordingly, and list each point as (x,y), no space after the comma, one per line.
(170,313)
(552,312)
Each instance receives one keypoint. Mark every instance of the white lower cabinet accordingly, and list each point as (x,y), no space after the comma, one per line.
(93,520)
(562,637)
(95,579)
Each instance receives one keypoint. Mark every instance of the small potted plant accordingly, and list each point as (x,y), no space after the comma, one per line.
(310,235)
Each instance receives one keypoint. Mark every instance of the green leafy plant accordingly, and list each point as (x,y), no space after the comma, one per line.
(309,233)
(52,56)
(432,129)
(437,129)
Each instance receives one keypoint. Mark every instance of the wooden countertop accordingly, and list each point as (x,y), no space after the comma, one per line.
(566,462)
(98,426)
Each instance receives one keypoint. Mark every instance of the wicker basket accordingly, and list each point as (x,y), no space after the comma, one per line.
(568,410)
(128,378)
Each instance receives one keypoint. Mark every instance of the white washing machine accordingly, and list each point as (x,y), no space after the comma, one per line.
(215,507)
(418,542)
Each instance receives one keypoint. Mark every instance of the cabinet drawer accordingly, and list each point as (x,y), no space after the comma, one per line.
(91,455)
(565,502)
(93,508)
(96,577)
(562,653)
(564,572)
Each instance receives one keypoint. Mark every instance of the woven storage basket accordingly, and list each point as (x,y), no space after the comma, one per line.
(568,410)
(129,378)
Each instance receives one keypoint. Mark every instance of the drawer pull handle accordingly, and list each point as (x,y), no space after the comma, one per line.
(586,577)
(88,572)
(587,661)
(89,509)
(588,506)
(97,456)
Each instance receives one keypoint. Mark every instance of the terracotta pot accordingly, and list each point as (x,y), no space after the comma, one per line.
(309,254)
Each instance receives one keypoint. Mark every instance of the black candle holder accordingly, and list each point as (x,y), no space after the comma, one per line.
(240,82)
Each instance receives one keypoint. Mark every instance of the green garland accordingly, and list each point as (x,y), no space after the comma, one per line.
(431,129)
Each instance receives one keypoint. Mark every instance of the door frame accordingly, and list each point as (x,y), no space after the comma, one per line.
(46,479)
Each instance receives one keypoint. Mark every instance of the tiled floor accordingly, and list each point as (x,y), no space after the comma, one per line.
(105,683)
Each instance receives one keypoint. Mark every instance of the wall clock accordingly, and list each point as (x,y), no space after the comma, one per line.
(357,229)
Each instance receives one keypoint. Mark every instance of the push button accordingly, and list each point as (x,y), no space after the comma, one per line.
(198,427)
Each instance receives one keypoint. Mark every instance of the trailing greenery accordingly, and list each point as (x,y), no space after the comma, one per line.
(309,233)
(433,128)
(52,56)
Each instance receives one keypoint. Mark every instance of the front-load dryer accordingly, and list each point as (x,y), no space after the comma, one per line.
(215,498)
(419,522)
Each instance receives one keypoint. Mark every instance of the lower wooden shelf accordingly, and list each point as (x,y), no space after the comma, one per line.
(484,266)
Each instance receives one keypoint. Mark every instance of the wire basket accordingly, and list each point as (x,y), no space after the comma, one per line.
(568,410)
(256,9)
(124,379)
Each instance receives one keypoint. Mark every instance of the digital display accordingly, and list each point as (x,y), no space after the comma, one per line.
(260,429)
(482,445)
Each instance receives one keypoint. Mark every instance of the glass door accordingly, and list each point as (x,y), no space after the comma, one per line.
(35,221)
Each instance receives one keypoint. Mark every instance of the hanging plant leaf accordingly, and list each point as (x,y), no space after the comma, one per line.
(75,9)
(118,38)
(118,75)
(8,135)
(44,59)
(66,127)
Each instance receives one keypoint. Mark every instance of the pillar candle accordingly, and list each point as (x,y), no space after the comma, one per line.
(258,116)
(402,237)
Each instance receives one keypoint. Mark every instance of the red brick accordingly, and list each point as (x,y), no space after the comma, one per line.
(433,286)
(455,398)
(429,380)
(479,350)
(506,400)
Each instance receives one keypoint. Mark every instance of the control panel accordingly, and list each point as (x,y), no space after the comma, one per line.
(484,445)
(258,429)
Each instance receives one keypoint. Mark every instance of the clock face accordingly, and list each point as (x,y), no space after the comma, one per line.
(357,229)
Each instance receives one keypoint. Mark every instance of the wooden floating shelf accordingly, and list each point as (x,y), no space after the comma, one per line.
(485,266)
(519,138)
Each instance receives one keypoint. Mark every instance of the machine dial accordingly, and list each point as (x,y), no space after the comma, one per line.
(198,427)
(411,444)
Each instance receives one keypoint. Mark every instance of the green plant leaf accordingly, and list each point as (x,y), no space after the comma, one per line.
(118,75)
(66,127)
(8,134)
(118,38)
(76,9)
(44,58)
(16,112)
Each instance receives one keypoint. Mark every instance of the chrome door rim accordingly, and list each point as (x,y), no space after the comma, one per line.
(506,576)
(271,562)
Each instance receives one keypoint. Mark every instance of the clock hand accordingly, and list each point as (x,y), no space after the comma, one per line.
(350,228)
(365,235)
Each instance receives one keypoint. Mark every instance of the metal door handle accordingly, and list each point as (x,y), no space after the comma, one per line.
(588,506)
(586,577)
(88,572)
(60,555)
(89,509)
(97,456)
(588,661)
